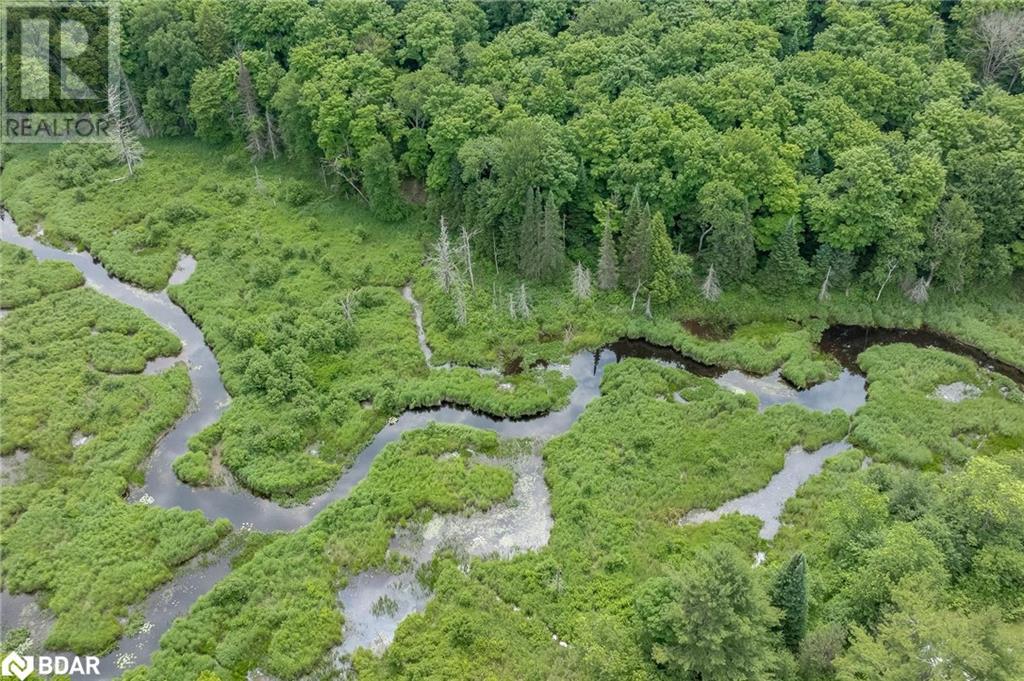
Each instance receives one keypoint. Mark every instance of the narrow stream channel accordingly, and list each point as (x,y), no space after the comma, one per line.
(246,510)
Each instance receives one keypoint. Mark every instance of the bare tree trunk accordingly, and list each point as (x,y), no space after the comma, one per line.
(521,304)
(442,260)
(250,110)
(459,298)
(710,288)
(494,249)
(1001,37)
(893,264)
(348,305)
(337,167)
(823,294)
(700,244)
(129,151)
(464,245)
(647,307)
(271,137)
(636,292)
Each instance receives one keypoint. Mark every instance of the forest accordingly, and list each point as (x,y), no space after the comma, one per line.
(411,221)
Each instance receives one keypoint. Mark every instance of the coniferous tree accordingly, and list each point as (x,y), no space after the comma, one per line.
(711,621)
(254,123)
(730,239)
(636,242)
(608,266)
(663,285)
(550,248)
(529,235)
(637,259)
(789,594)
(786,270)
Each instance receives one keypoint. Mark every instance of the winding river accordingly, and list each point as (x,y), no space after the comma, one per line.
(523,523)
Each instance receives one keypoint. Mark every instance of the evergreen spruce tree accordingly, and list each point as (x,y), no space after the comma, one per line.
(789,594)
(608,266)
(663,286)
(711,621)
(550,247)
(529,235)
(786,271)
(635,242)
(636,259)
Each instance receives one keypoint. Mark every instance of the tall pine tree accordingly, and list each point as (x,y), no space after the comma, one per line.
(663,285)
(551,244)
(529,234)
(636,243)
(789,594)
(786,271)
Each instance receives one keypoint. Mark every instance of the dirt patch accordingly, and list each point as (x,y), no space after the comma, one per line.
(707,330)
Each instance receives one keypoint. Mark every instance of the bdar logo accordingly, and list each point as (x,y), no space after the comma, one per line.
(16,665)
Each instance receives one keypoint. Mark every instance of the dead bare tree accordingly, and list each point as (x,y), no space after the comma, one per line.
(442,259)
(339,166)
(710,288)
(647,307)
(465,250)
(1000,36)
(348,305)
(636,292)
(271,135)
(892,264)
(250,111)
(823,294)
(459,300)
(581,282)
(522,308)
(512,306)
(703,234)
(121,129)
(918,293)
(258,184)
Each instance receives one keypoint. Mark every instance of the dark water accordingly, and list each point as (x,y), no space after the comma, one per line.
(846,342)
(247,511)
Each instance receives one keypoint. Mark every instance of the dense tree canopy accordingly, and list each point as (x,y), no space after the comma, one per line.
(862,129)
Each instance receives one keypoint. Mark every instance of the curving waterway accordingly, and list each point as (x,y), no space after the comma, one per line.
(521,524)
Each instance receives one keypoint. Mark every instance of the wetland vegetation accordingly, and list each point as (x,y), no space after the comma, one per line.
(432,251)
